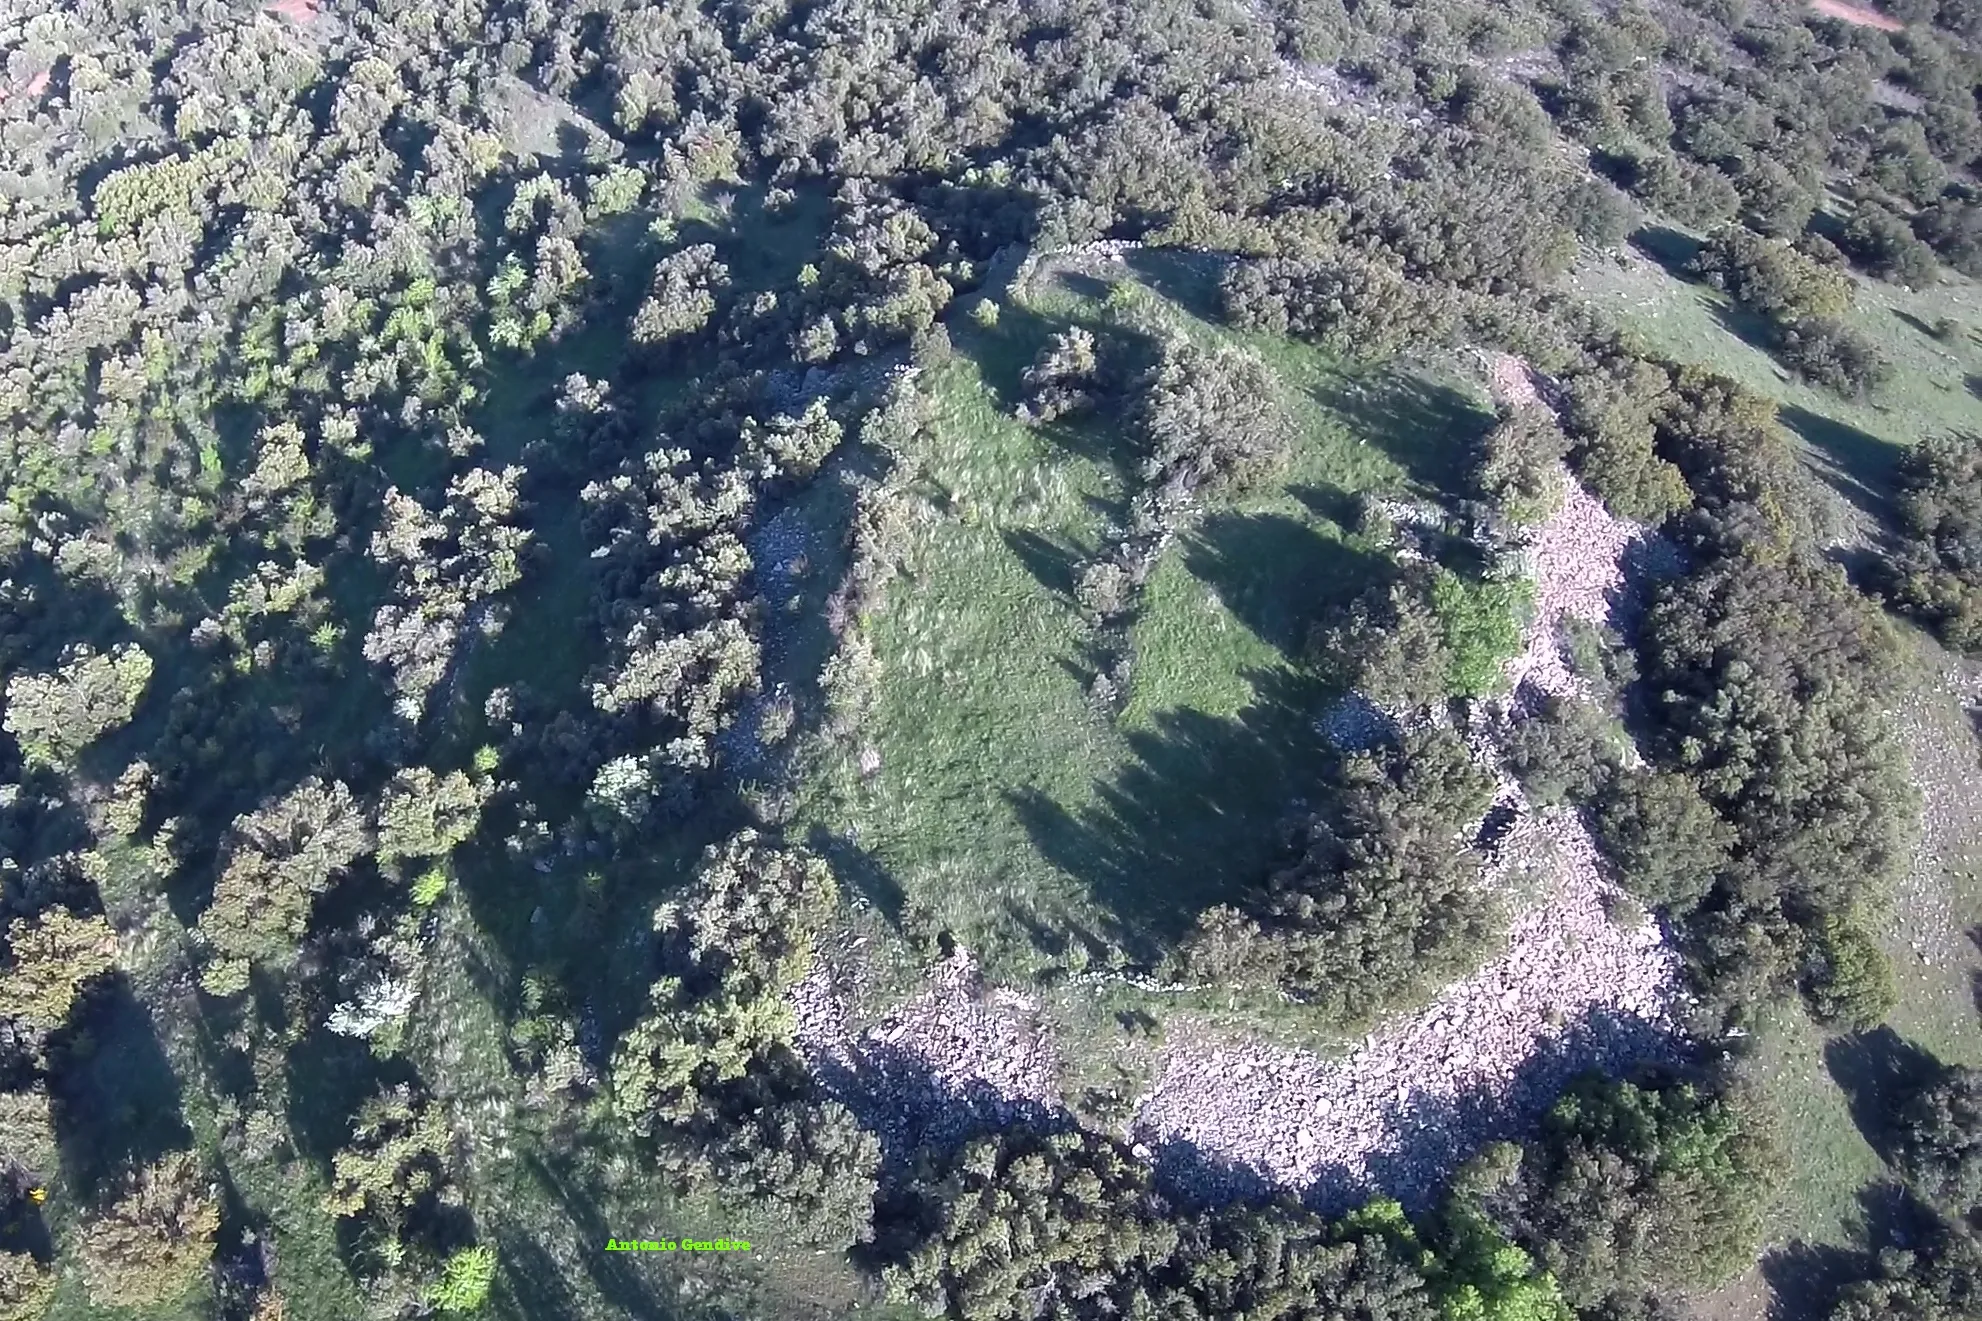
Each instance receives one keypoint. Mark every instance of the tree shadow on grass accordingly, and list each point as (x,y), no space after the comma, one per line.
(1857,464)
(117,1097)
(1188,279)
(532,1284)
(1278,574)
(1670,248)
(1805,1278)
(1053,560)
(1195,817)
(1913,322)
(1877,1071)
(616,1275)
(860,871)
(329,1077)
(1338,505)
(1427,427)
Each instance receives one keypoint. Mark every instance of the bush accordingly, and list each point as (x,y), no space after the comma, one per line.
(1600,214)
(1884,244)
(1652,1187)
(1939,1280)
(465,1281)
(1210,418)
(394,1168)
(27,1288)
(1064,379)
(1349,305)
(1666,844)
(1847,978)
(1562,753)
(1387,644)
(1937,573)
(27,1136)
(1770,278)
(1005,1224)
(1378,903)
(1518,465)
(1480,624)
(55,716)
(51,957)
(1608,417)
(1938,1143)
(152,1243)
(1833,355)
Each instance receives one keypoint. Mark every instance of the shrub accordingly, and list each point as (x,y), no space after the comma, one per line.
(1632,1187)
(1007,1223)
(27,1135)
(55,716)
(1518,465)
(465,1281)
(1387,643)
(1064,379)
(1600,213)
(1379,900)
(1940,1279)
(1884,244)
(1939,1138)
(1210,418)
(152,1243)
(1563,753)
(1834,356)
(1847,978)
(1937,573)
(1666,844)
(1480,624)
(52,956)
(1608,417)
(27,1288)
(1350,305)
(1770,278)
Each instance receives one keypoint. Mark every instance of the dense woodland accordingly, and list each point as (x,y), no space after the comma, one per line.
(295,441)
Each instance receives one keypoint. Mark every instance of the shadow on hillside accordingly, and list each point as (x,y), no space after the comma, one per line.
(1751,328)
(1670,248)
(1427,427)
(533,1285)
(1857,464)
(616,1275)
(1876,1071)
(1193,819)
(117,1099)
(1053,560)
(1276,573)
(1327,500)
(1805,1278)
(860,871)
(1188,279)
(1913,322)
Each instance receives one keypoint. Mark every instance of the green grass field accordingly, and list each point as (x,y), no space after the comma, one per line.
(1851,444)
(1038,828)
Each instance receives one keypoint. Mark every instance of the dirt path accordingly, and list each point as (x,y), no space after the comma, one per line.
(1864,18)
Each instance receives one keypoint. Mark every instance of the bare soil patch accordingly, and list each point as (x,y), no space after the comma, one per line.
(300,12)
(1855,14)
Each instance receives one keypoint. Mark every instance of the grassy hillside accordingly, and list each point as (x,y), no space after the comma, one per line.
(1008,807)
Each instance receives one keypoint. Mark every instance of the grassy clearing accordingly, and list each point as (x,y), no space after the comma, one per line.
(1041,831)
(1850,444)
